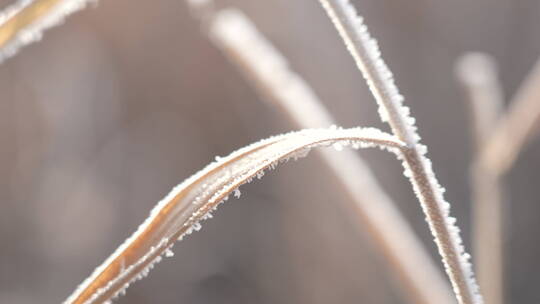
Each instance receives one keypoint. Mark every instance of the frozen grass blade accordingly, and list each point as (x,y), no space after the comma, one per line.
(268,71)
(477,72)
(193,200)
(24,22)
(366,54)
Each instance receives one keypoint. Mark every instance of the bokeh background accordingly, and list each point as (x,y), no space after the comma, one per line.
(112,109)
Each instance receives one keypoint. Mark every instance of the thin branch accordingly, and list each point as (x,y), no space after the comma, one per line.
(477,72)
(24,22)
(520,122)
(269,72)
(366,54)
(179,213)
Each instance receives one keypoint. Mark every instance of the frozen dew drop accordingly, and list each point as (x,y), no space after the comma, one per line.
(197,226)
(338,146)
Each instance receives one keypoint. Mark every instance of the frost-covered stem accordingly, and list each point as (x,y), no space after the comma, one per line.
(24,21)
(268,71)
(521,120)
(477,73)
(366,54)
(180,212)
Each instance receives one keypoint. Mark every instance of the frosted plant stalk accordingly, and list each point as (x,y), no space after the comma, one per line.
(418,168)
(477,72)
(268,71)
(180,212)
(24,21)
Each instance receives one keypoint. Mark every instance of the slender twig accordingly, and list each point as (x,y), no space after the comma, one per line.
(515,127)
(268,70)
(367,57)
(193,200)
(477,72)
(24,22)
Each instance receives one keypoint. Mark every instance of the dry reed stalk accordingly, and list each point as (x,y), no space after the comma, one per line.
(193,200)
(366,54)
(262,64)
(23,22)
(477,72)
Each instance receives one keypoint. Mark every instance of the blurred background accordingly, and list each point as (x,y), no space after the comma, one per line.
(128,98)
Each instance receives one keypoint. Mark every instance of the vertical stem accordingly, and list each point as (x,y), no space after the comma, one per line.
(366,54)
(488,223)
(477,72)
